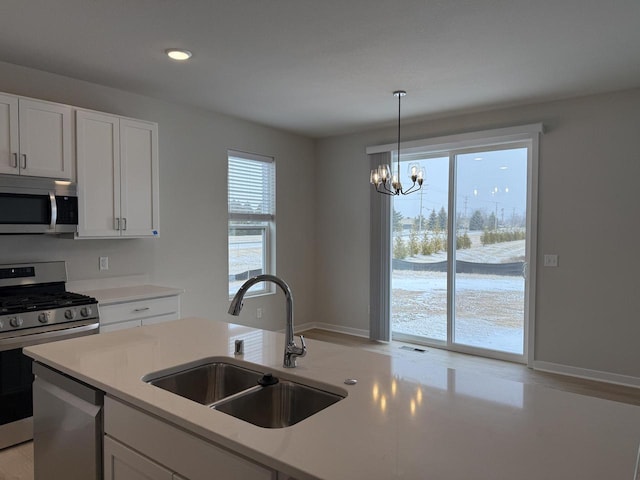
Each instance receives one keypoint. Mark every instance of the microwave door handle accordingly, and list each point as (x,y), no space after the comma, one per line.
(54,211)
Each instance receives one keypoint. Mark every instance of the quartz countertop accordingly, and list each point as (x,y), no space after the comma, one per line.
(109,296)
(404,419)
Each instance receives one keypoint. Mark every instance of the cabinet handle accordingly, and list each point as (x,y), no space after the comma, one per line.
(24,160)
(142,309)
(15,160)
(116,224)
(124,223)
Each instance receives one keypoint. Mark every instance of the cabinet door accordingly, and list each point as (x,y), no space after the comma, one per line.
(122,463)
(9,134)
(139,178)
(45,139)
(98,164)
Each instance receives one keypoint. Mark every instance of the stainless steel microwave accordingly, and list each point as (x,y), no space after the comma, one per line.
(33,205)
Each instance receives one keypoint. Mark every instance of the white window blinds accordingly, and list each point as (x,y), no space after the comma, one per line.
(251,187)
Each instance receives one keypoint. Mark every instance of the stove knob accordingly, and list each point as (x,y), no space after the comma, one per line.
(86,311)
(15,322)
(69,314)
(1,324)
(44,317)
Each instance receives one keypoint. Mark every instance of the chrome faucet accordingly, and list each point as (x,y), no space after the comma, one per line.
(291,350)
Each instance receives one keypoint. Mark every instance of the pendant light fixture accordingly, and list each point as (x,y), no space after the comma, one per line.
(387,181)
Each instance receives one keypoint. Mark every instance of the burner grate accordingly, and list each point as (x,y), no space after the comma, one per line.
(28,303)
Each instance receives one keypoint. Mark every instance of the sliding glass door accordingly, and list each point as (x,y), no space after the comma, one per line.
(420,236)
(459,252)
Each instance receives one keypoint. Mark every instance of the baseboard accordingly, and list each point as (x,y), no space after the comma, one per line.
(357,332)
(597,375)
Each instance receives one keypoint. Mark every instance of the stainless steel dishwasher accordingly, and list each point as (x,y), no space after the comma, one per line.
(67,427)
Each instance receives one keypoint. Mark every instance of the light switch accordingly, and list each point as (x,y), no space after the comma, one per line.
(551,260)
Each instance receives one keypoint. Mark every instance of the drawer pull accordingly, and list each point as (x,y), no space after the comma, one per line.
(142,309)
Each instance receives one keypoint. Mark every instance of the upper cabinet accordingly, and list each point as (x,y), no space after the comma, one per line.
(117,169)
(35,138)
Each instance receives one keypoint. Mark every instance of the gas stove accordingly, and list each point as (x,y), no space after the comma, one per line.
(34,296)
(35,308)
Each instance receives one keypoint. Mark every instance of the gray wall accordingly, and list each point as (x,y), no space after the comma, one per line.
(587,308)
(192,249)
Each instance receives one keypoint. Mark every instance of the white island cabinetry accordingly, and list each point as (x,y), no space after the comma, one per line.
(141,446)
(117,163)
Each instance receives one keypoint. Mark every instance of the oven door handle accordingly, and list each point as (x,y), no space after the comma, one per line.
(12,343)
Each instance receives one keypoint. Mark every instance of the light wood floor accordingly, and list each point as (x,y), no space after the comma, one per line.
(16,463)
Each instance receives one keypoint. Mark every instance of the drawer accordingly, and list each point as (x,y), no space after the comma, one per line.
(139,309)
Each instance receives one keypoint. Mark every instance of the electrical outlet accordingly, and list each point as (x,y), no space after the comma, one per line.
(551,260)
(259,313)
(104,263)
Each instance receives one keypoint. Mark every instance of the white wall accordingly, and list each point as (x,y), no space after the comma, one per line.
(587,310)
(192,249)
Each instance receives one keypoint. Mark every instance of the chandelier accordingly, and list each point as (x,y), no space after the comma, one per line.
(388,182)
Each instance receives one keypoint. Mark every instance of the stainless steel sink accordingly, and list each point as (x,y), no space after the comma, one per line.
(237,391)
(208,383)
(276,406)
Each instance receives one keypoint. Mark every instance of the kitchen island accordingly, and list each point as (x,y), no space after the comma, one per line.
(403,419)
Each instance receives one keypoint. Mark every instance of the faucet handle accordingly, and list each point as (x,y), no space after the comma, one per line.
(303,348)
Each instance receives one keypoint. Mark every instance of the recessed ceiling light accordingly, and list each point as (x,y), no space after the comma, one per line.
(503,167)
(477,159)
(178,54)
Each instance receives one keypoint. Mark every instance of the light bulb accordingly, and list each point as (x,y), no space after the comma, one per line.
(178,54)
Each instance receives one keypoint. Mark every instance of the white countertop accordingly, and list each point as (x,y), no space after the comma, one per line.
(404,419)
(108,296)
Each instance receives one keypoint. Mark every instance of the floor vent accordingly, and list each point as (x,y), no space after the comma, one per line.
(412,349)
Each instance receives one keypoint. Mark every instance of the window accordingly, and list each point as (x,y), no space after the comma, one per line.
(251,204)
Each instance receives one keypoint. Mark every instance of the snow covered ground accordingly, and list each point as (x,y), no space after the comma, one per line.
(489,308)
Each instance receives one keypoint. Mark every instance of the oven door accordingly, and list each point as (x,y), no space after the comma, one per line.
(16,378)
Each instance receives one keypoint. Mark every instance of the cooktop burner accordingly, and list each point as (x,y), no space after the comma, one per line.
(27,303)
(33,297)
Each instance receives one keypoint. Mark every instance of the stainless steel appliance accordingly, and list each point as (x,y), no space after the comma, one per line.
(67,427)
(34,308)
(32,205)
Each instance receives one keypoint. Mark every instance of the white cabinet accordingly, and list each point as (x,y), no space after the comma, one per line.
(35,138)
(119,316)
(122,463)
(187,456)
(117,169)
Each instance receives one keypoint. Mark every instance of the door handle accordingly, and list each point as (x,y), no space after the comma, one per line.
(54,211)
(124,223)
(15,160)
(24,160)
(116,223)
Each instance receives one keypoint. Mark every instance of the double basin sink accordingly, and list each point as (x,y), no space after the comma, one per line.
(246,392)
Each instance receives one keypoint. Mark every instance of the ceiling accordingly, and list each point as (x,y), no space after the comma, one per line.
(328,67)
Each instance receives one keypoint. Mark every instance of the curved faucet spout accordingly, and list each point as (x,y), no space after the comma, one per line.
(291,350)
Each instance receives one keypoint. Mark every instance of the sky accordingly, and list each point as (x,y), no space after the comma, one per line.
(486,181)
